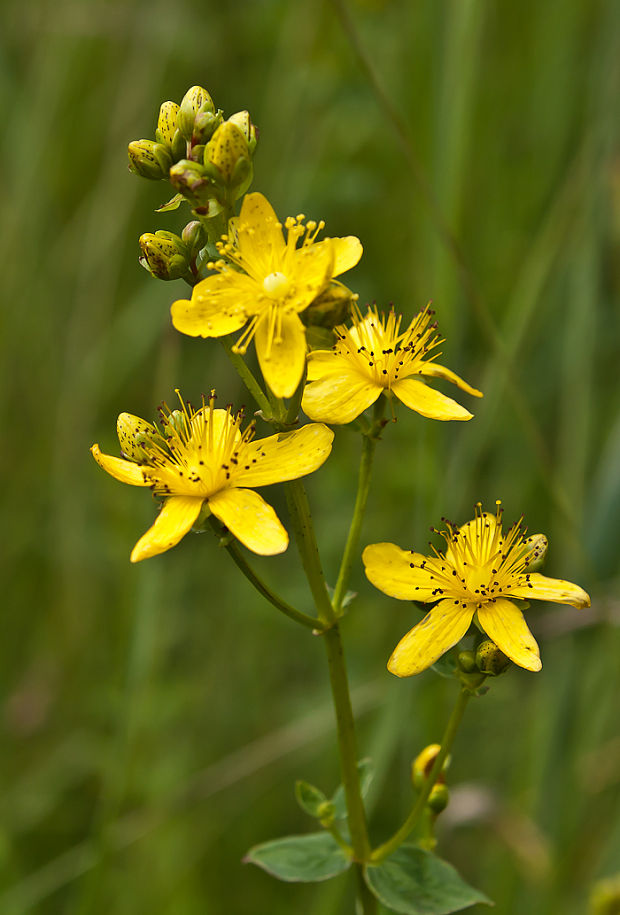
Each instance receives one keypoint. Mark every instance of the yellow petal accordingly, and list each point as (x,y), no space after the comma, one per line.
(425,643)
(439,371)
(539,587)
(282,359)
(505,625)
(339,398)
(397,572)
(125,471)
(322,362)
(347,252)
(250,519)
(286,456)
(175,519)
(309,268)
(419,397)
(217,306)
(259,236)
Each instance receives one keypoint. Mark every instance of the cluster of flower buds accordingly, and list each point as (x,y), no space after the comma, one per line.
(207,159)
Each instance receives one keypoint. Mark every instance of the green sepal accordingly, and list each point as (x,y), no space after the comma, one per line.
(446,666)
(412,881)
(173,204)
(319,337)
(309,798)
(366,771)
(300,859)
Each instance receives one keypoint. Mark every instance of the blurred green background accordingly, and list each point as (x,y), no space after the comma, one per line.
(154,717)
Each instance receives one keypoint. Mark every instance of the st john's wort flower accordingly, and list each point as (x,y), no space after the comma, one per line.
(480,572)
(202,458)
(262,283)
(373,357)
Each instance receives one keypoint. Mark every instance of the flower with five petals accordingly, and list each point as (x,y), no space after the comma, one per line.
(480,573)
(261,283)
(373,357)
(202,458)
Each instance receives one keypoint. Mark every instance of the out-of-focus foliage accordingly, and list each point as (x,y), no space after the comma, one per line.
(155,718)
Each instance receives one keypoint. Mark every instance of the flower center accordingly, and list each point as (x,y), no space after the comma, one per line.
(276,285)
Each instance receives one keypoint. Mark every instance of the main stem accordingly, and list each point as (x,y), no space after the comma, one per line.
(382,852)
(306,543)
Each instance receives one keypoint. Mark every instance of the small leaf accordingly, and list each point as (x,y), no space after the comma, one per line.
(173,204)
(309,798)
(300,859)
(366,772)
(413,881)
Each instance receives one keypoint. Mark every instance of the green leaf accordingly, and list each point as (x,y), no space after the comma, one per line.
(309,798)
(366,772)
(172,204)
(413,881)
(300,859)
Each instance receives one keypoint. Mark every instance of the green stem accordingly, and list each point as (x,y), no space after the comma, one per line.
(247,377)
(346,743)
(301,520)
(369,442)
(366,899)
(240,561)
(382,852)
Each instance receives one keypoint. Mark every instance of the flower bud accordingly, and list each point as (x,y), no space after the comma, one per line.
(167,131)
(164,255)
(329,309)
(537,546)
(191,180)
(242,120)
(467,661)
(490,660)
(205,125)
(194,235)
(193,100)
(438,798)
(423,763)
(149,159)
(227,158)
(133,434)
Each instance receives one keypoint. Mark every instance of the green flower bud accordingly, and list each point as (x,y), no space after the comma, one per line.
(205,125)
(537,546)
(242,120)
(438,798)
(326,814)
(165,255)
(605,897)
(194,235)
(467,661)
(193,101)
(167,131)
(191,180)
(133,434)
(227,157)
(490,660)
(329,309)
(149,160)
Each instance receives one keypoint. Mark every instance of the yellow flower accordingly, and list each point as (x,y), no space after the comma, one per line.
(264,283)
(480,570)
(203,458)
(372,358)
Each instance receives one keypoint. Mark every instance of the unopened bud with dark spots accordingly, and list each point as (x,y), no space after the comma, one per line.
(167,131)
(243,121)
(329,309)
(227,159)
(165,255)
(490,660)
(537,546)
(194,100)
(149,159)
(135,435)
